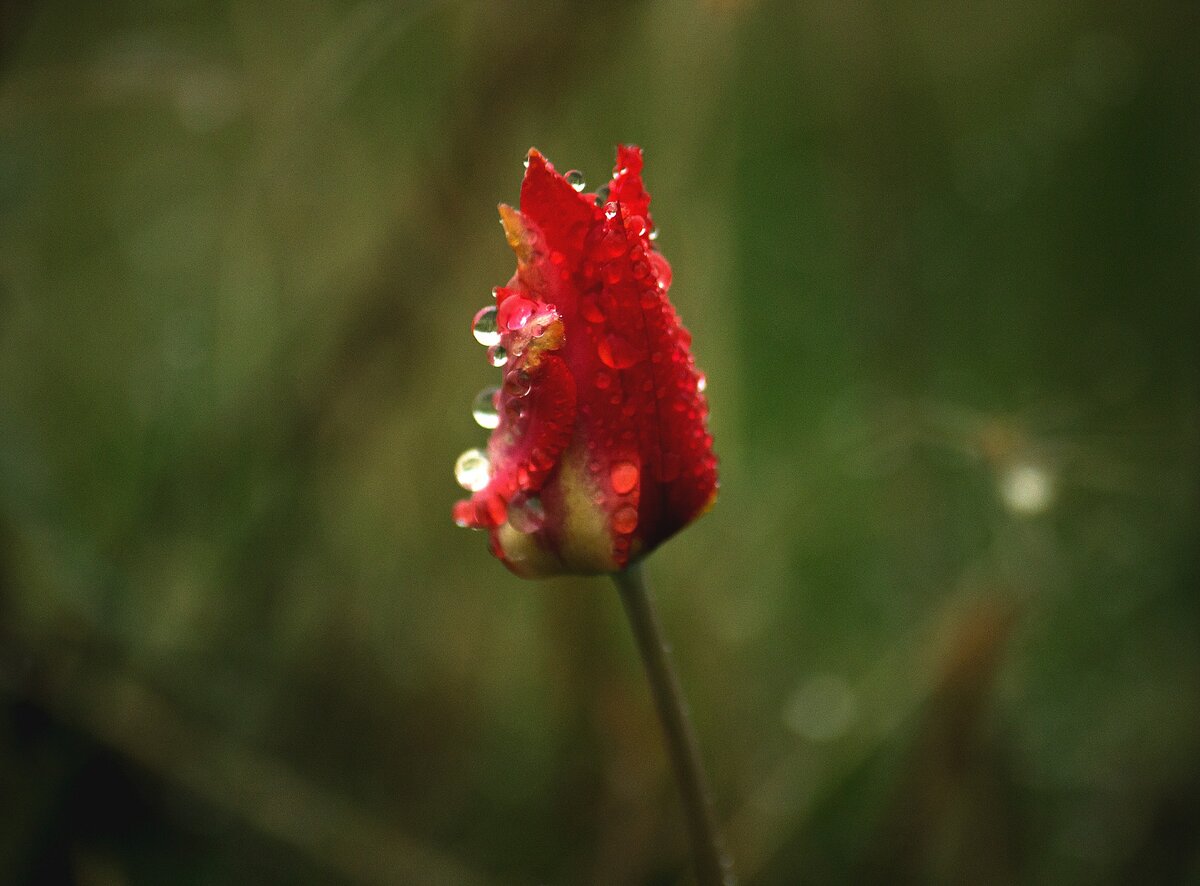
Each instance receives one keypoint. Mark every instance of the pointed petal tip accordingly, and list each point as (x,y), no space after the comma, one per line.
(629,157)
(535,162)
(627,186)
(515,232)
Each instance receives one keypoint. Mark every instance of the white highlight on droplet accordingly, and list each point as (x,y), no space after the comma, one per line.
(1026,488)
(473,470)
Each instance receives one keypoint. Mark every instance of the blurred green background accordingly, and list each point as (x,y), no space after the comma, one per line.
(941,265)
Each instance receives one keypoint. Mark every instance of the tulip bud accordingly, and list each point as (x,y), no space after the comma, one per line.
(600,449)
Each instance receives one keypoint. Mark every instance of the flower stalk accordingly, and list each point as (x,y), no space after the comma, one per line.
(714,867)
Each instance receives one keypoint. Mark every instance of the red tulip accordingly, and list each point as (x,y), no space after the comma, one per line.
(600,449)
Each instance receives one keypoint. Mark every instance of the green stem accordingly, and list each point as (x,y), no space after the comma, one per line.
(713,866)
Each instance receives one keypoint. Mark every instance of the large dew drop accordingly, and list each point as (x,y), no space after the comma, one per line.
(515,312)
(472,470)
(617,353)
(575,179)
(624,477)
(526,513)
(497,356)
(590,308)
(484,409)
(624,521)
(485,328)
(517,383)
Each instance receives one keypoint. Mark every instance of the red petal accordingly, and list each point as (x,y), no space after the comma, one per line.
(603,418)
(627,188)
(537,416)
(647,410)
(548,200)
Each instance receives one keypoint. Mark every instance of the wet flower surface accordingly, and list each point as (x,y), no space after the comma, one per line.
(599,448)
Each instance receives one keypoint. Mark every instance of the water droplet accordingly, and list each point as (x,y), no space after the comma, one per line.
(526,513)
(490,511)
(701,382)
(516,383)
(653,232)
(613,245)
(464,514)
(575,179)
(540,459)
(590,308)
(662,270)
(497,356)
(610,211)
(603,380)
(472,470)
(617,353)
(1027,488)
(484,408)
(635,225)
(624,476)
(515,409)
(602,194)
(625,520)
(514,313)
(485,328)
